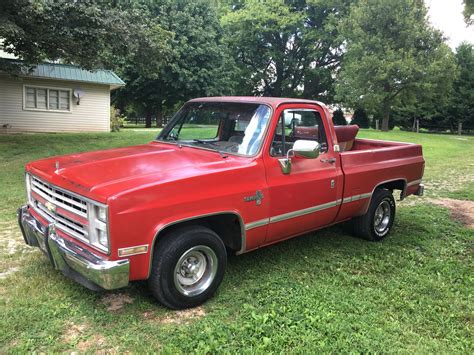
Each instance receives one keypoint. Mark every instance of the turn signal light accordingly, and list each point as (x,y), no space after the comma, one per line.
(141,249)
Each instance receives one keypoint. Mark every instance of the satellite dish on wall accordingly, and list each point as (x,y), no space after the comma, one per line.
(78,93)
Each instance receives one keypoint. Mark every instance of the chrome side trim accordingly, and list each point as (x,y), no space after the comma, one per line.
(414,182)
(356,197)
(256,224)
(305,211)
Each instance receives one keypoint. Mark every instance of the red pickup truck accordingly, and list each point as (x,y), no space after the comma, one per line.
(226,175)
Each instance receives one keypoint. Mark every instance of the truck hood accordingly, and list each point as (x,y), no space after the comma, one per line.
(101,174)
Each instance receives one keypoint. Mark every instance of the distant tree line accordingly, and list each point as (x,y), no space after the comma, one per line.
(381,59)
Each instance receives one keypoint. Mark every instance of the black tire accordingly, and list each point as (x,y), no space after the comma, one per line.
(189,242)
(366,226)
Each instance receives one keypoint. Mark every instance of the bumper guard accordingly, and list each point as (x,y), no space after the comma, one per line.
(71,259)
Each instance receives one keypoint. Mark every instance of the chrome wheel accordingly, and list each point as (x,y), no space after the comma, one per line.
(195,270)
(382,217)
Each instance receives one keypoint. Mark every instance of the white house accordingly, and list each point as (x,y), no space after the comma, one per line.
(57,98)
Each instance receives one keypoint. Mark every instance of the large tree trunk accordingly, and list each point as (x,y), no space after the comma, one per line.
(159,116)
(159,119)
(148,118)
(385,115)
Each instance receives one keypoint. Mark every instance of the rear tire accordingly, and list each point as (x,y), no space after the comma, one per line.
(376,224)
(188,267)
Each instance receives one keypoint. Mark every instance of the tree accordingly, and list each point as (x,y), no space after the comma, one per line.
(193,64)
(392,54)
(91,34)
(468,11)
(284,48)
(460,106)
(338,118)
(360,118)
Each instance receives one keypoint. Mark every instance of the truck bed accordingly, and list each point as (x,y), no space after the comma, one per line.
(370,163)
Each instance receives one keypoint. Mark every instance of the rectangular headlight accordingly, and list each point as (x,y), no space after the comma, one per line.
(28,189)
(98,226)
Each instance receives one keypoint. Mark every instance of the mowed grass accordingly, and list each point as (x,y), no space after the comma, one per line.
(322,292)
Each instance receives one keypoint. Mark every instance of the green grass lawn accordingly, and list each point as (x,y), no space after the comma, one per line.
(323,292)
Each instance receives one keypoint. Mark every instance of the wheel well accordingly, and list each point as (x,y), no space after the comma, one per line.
(227,226)
(394,185)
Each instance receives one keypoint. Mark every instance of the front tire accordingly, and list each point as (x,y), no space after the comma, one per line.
(188,267)
(376,224)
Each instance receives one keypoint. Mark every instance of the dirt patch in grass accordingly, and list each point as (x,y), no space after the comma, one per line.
(177,317)
(11,240)
(76,333)
(462,211)
(116,301)
(7,273)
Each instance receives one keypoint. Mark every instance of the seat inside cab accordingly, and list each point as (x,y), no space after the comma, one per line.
(346,136)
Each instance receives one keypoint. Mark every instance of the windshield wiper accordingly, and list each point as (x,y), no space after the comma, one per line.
(222,154)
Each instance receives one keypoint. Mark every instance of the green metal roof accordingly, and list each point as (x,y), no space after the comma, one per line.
(73,73)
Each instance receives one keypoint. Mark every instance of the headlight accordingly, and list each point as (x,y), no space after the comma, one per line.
(98,226)
(101,213)
(28,189)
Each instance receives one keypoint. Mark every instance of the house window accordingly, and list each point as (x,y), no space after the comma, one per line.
(40,98)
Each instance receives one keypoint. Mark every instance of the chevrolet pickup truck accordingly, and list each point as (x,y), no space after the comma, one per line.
(226,175)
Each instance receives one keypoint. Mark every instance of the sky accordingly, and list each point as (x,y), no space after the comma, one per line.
(446,15)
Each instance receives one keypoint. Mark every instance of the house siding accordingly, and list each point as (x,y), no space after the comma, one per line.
(92,115)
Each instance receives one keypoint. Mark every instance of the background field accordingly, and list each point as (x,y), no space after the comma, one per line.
(325,291)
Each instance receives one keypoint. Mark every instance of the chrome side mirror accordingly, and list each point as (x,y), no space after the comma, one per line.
(302,148)
(306,149)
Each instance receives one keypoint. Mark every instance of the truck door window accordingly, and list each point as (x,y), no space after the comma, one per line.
(295,124)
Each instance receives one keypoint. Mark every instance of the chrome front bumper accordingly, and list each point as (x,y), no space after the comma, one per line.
(74,261)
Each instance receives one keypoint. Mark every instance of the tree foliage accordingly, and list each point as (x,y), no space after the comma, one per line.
(459,108)
(283,48)
(392,54)
(193,64)
(468,11)
(91,34)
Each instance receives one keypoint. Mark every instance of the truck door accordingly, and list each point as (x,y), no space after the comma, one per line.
(309,196)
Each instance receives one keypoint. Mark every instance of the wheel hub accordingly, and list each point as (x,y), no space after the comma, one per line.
(382,217)
(195,270)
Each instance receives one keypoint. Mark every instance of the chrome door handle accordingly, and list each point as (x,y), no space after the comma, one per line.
(330,160)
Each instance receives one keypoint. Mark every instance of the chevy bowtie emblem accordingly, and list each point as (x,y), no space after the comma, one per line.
(258,197)
(50,207)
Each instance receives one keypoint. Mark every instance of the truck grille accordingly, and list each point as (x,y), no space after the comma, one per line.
(59,197)
(64,200)
(64,223)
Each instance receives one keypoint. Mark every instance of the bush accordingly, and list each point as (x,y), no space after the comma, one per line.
(360,118)
(338,118)
(116,119)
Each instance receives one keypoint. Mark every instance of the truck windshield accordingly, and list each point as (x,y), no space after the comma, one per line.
(236,128)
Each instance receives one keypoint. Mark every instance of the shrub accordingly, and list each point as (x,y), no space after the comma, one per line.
(338,118)
(116,119)
(360,118)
